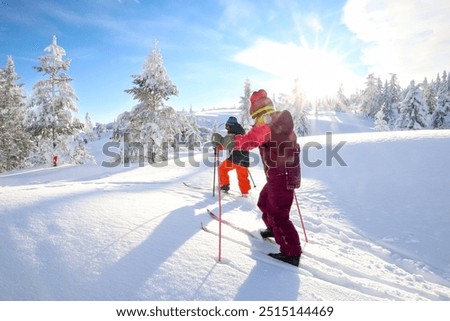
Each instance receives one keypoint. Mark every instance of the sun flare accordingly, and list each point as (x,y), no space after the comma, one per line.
(319,71)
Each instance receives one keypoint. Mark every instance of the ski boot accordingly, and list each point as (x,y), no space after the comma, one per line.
(293,260)
(266,233)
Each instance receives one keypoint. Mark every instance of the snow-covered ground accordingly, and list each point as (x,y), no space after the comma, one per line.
(377,220)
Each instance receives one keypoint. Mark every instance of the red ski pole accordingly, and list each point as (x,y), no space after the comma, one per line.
(214,171)
(301,218)
(219,194)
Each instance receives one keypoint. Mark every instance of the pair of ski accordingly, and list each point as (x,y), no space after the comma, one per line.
(200,188)
(231,224)
(264,257)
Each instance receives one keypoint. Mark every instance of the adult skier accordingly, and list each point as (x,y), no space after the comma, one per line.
(273,133)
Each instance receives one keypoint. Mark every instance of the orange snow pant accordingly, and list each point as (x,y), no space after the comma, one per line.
(242,175)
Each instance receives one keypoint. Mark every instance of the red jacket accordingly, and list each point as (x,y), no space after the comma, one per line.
(277,144)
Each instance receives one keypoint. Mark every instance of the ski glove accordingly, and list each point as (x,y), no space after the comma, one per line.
(216,139)
(228,141)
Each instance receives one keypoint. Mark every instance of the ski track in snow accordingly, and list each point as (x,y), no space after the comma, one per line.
(94,233)
(348,262)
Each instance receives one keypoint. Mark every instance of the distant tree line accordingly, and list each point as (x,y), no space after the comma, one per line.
(424,105)
(419,106)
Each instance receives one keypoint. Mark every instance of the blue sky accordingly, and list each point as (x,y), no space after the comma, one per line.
(211,47)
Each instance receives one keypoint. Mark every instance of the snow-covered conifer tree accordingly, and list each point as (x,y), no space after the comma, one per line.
(296,104)
(390,99)
(355,100)
(153,86)
(190,129)
(14,141)
(413,110)
(341,102)
(371,96)
(51,118)
(88,129)
(429,95)
(380,121)
(149,124)
(244,106)
(441,115)
(100,129)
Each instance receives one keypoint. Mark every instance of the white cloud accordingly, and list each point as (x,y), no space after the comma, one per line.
(408,37)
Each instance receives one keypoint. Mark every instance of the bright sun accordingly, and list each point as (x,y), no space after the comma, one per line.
(319,71)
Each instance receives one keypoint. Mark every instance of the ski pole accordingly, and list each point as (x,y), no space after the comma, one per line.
(301,218)
(219,256)
(214,173)
(251,177)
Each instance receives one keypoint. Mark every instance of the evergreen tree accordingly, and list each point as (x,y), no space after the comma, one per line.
(380,121)
(89,133)
(441,115)
(189,129)
(296,103)
(14,141)
(392,100)
(51,118)
(355,100)
(153,85)
(413,111)
(244,105)
(149,124)
(299,111)
(371,96)
(429,95)
(341,102)
(100,129)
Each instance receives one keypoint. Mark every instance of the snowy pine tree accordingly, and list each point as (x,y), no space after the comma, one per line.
(371,96)
(190,130)
(153,85)
(296,105)
(51,118)
(429,95)
(244,106)
(149,124)
(341,102)
(380,121)
(14,141)
(413,110)
(100,129)
(441,116)
(88,129)
(389,102)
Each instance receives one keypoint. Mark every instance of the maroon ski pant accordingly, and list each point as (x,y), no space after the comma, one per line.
(275,202)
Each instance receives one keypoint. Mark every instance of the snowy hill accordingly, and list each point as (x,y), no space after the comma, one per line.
(215,117)
(320,123)
(377,227)
(335,122)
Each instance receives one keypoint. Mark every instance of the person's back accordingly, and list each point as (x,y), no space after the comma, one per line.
(281,153)
(237,156)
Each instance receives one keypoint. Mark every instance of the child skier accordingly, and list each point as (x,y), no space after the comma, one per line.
(237,160)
